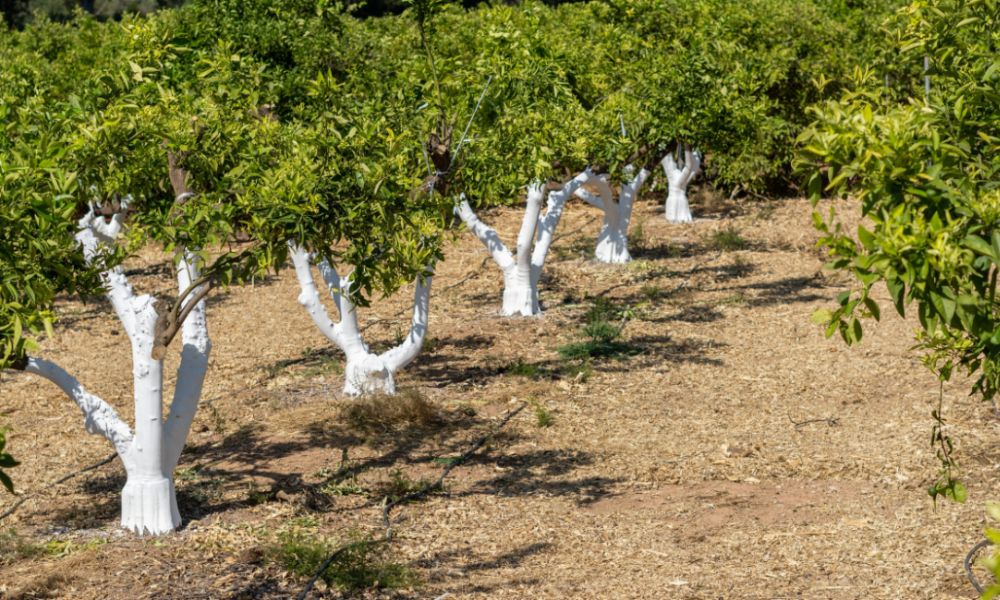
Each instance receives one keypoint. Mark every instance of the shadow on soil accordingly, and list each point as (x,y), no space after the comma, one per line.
(784,291)
(216,477)
(449,566)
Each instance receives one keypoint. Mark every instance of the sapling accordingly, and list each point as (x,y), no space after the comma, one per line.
(612,242)
(522,270)
(366,372)
(678,179)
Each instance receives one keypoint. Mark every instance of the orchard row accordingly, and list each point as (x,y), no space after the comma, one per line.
(236,134)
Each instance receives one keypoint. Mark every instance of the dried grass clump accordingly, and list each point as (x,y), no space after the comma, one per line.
(376,413)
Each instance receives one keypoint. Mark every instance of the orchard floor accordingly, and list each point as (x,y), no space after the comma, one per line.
(678,472)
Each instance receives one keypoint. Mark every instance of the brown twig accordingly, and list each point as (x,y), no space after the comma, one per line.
(831,421)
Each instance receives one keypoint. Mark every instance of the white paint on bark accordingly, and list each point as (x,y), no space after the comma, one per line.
(151,453)
(365,372)
(523,269)
(678,178)
(612,241)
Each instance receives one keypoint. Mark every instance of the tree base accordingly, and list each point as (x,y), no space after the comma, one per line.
(677,209)
(368,375)
(520,299)
(149,506)
(613,249)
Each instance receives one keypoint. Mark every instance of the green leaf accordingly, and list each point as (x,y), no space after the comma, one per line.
(897,290)
(867,238)
(873,308)
(821,316)
(958,492)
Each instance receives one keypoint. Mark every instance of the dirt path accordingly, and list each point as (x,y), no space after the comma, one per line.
(738,454)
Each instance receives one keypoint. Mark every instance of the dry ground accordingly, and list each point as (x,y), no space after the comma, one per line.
(674,473)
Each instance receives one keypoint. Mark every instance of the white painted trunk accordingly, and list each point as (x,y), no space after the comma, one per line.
(520,293)
(368,374)
(148,501)
(149,505)
(364,372)
(150,454)
(612,241)
(612,244)
(677,209)
(678,179)
(522,271)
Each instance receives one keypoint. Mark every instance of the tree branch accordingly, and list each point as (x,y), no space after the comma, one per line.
(486,234)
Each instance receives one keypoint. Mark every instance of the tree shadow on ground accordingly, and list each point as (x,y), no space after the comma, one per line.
(449,566)
(234,462)
(694,313)
(103,506)
(468,342)
(439,370)
(784,291)
(88,316)
(252,466)
(487,298)
(466,559)
(664,348)
(541,473)
(311,358)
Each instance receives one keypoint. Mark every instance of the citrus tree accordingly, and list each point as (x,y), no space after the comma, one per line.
(924,167)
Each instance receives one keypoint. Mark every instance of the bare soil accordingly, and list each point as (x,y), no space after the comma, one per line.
(738,454)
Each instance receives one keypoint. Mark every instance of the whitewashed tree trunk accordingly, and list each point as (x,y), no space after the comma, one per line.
(151,453)
(612,241)
(523,269)
(678,178)
(365,372)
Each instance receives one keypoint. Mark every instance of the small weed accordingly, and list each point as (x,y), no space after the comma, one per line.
(14,548)
(399,486)
(304,522)
(602,335)
(519,368)
(739,298)
(187,473)
(671,250)
(348,487)
(324,366)
(447,461)
(430,344)
(578,247)
(651,292)
(218,423)
(257,496)
(543,418)
(197,489)
(378,413)
(727,240)
(640,268)
(59,548)
(361,566)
